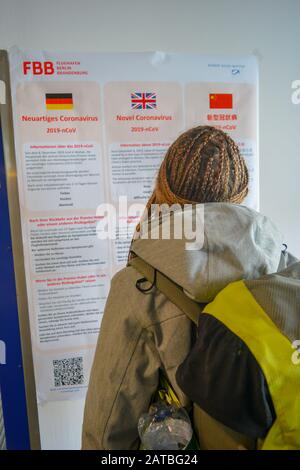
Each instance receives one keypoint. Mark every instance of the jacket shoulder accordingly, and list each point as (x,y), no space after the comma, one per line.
(150,309)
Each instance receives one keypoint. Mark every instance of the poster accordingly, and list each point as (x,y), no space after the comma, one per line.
(90,131)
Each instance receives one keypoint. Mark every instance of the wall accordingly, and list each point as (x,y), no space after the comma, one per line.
(267,28)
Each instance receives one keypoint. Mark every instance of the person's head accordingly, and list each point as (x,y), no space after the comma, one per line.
(203,165)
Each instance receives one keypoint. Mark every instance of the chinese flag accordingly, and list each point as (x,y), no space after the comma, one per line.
(220,100)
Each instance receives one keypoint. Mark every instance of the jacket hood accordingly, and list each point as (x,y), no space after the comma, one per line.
(279,296)
(231,242)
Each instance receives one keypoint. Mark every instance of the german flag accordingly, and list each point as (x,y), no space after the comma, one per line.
(220,101)
(59,101)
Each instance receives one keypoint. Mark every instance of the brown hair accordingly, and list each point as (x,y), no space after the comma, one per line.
(203,165)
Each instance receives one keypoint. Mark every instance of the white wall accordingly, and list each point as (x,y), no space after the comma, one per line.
(267,28)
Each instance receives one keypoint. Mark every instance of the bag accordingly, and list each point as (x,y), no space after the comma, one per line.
(208,432)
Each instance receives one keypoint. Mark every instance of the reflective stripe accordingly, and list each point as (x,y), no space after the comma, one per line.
(236,308)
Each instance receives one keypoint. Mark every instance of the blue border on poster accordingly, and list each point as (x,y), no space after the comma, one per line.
(11,373)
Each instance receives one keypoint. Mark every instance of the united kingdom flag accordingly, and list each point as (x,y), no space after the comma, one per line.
(143,100)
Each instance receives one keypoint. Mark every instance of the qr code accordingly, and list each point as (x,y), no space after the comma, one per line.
(68,371)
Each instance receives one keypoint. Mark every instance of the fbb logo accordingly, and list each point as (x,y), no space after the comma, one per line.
(38,68)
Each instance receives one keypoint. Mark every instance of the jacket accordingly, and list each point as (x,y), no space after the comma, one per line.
(143,333)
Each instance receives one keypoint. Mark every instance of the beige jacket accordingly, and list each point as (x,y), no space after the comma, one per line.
(143,333)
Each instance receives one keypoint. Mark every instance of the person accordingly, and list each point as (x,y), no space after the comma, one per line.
(143,333)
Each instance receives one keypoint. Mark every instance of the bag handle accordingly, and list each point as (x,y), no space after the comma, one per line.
(169,288)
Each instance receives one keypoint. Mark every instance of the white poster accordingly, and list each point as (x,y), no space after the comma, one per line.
(92,129)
